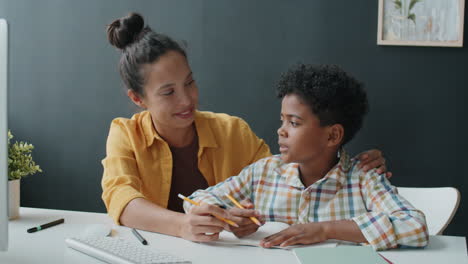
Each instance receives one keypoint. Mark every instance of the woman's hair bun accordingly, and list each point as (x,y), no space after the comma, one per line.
(124,31)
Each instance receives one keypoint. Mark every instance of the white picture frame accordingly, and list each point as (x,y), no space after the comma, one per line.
(437,23)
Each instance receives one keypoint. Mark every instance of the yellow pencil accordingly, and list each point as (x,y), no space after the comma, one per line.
(219,217)
(255,220)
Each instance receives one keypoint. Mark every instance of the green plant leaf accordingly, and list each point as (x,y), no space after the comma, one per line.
(412,3)
(412,17)
(20,161)
(397,4)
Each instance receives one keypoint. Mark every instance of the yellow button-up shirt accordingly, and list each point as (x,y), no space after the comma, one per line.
(139,162)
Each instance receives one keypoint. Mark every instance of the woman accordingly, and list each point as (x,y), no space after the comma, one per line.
(172,148)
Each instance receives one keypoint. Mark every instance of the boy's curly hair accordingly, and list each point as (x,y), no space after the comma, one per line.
(334,96)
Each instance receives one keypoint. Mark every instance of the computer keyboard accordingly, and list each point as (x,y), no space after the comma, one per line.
(118,251)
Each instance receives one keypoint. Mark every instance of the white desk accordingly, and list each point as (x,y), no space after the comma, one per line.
(48,246)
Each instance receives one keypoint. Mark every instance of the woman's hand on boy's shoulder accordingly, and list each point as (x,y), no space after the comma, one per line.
(305,234)
(242,218)
(373,159)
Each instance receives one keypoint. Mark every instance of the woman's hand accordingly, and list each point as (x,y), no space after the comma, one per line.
(309,233)
(242,218)
(373,159)
(200,225)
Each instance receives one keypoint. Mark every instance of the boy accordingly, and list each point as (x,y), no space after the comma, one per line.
(313,184)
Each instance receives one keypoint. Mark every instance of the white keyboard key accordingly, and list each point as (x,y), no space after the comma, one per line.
(119,251)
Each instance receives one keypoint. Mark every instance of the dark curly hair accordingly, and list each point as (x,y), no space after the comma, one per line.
(334,96)
(140,45)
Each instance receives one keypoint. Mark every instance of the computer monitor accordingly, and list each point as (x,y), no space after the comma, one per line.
(3,135)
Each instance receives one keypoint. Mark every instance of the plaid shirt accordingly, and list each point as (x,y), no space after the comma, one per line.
(385,218)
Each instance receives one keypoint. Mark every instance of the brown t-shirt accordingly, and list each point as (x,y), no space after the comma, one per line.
(186,177)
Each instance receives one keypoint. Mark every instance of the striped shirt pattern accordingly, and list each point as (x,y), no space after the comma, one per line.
(385,218)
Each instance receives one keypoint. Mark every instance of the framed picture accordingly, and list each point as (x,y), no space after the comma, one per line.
(421,22)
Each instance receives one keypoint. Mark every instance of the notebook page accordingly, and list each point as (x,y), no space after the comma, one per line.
(269,228)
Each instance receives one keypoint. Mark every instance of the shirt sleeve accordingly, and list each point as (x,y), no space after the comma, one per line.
(257,146)
(391,221)
(120,180)
(239,187)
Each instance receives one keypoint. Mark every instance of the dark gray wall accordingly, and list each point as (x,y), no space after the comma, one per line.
(65,89)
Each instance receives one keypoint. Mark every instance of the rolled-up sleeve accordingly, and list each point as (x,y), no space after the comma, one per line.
(238,187)
(120,181)
(391,221)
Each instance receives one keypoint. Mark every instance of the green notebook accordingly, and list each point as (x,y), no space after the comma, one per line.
(338,255)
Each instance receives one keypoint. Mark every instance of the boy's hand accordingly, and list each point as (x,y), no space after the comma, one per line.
(309,233)
(241,217)
(373,159)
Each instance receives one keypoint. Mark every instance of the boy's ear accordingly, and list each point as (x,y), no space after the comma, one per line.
(135,99)
(335,135)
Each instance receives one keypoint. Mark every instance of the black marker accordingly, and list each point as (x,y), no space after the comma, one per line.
(142,240)
(44,226)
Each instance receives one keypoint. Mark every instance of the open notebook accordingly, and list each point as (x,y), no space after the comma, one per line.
(269,228)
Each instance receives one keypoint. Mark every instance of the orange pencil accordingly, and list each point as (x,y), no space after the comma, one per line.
(255,220)
(219,217)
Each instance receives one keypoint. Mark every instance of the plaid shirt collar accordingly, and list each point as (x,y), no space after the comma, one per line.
(337,173)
